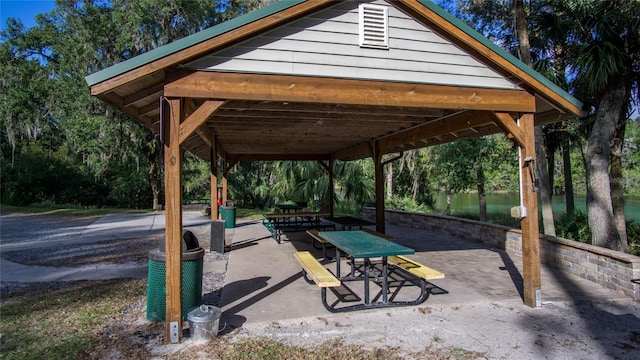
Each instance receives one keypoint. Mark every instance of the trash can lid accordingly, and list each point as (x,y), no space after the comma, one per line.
(228,204)
(189,242)
(204,313)
(191,255)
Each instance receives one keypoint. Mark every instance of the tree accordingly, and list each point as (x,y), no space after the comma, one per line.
(606,55)
(545,184)
(458,167)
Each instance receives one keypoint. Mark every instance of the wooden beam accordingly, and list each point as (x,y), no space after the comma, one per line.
(148,109)
(173,219)
(205,134)
(510,127)
(259,87)
(278,157)
(529,224)
(155,90)
(446,125)
(358,151)
(198,118)
(484,52)
(210,45)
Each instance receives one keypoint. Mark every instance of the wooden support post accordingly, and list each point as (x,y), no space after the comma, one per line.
(529,224)
(224,187)
(379,180)
(214,179)
(331,188)
(173,220)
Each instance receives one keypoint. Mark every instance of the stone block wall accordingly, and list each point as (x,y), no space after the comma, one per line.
(609,268)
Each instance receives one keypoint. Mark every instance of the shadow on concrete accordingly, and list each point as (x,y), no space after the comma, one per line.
(600,319)
(245,243)
(247,223)
(514,273)
(239,289)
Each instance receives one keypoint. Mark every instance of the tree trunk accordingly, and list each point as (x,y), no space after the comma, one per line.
(544,185)
(389,180)
(153,155)
(482,195)
(568,180)
(541,159)
(599,202)
(415,188)
(550,152)
(617,183)
(448,193)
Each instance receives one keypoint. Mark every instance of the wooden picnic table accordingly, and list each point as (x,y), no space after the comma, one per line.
(365,245)
(296,220)
(347,222)
(287,208)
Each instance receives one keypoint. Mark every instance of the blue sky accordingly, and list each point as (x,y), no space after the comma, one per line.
(25,10)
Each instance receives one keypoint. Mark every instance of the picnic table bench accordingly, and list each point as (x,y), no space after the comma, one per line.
(393,273)
(275,232)
(297,221)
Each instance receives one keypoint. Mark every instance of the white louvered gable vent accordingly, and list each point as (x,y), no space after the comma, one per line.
(374,26)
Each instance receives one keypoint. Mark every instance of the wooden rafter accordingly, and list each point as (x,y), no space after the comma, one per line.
(437,128)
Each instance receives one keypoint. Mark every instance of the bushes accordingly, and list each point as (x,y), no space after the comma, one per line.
(633,235)
(574,226)
(40,175)
(406,203)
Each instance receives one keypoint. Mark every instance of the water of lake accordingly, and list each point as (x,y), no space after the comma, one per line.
(503,202)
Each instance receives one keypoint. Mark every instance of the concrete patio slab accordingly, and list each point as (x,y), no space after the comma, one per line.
(264,283)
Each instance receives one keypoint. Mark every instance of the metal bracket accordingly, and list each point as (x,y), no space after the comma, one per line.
(174,334)
(529,162)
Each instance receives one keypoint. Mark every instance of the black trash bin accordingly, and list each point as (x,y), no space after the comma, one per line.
(228,214)
(191,295)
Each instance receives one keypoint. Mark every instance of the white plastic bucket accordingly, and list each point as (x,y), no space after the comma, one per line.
(204,322)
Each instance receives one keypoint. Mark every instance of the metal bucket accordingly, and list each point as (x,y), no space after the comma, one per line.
(204,322)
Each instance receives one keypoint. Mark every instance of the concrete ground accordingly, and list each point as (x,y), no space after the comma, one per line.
(264,282)
(480,312)
(480,309)
(19,233)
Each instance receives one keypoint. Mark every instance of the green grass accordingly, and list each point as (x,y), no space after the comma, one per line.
(96,320)
(62,323)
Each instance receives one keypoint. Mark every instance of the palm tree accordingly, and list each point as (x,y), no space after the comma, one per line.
(605,54)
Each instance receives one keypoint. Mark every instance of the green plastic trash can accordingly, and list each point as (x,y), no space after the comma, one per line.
(228,214)
(191,295)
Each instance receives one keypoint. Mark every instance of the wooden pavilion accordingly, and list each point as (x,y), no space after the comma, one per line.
(331,80)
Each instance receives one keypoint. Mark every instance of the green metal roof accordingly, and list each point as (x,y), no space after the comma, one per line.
(240,21)
(188,41)
(500,51)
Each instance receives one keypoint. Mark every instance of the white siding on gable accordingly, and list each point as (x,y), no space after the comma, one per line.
(327,44)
